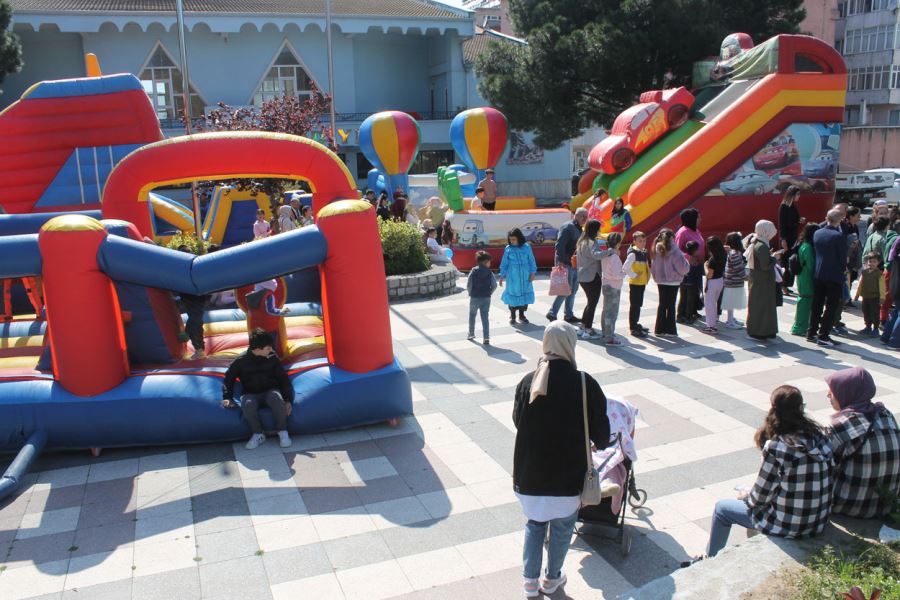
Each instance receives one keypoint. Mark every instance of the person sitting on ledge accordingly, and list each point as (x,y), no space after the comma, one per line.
(792,494)
(265,383)
(866,443)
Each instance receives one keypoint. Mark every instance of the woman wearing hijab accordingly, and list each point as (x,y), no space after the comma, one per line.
(792,494)
(866,443)
(762,318)
(550,461)
(286,219)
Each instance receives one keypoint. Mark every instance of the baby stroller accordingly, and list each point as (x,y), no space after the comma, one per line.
(615,464)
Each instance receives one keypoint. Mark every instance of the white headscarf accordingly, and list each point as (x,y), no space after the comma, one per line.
(286,218)
(765,231)
(559,343)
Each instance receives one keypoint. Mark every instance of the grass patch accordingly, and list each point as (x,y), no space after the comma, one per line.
(833,572)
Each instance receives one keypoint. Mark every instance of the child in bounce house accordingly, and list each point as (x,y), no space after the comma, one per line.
(518,268)
(264,383)
(262,313)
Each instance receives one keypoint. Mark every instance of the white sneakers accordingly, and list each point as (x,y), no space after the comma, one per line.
(532,588)
(284,440)
(257,439)
(548,586)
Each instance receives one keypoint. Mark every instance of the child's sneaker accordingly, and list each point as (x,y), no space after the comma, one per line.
(284,440)
(198,355)
(548,586)
(531,587)
(255,441)
(470,337)
(733,325)
(612,342)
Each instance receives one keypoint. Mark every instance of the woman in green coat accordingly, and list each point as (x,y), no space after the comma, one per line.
(762,319)
(805,279)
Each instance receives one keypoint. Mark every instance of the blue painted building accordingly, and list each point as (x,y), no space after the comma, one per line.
(410,55)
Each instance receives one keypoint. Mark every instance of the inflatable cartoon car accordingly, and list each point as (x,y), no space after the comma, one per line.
(638,127)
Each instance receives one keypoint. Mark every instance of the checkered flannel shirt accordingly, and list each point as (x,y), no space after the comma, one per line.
(792,494)
(867,453)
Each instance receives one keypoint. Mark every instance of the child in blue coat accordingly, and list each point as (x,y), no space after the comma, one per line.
(517,269)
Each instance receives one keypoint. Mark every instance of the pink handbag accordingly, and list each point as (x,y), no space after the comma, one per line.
(559,281)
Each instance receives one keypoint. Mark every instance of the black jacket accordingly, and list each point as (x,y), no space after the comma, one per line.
(257,374)
(788,223)
(550,458)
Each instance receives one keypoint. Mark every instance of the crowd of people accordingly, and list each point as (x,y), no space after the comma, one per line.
(695,273)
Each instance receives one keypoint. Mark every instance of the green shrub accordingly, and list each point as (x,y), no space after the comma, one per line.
(869,566)
(404,251)
(190,240)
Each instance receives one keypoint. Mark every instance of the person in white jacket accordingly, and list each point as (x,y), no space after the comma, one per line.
(614,273)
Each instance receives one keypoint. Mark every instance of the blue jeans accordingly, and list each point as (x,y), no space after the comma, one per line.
(560,536)
(483,305)
(891,334)
(570,299)
(727,513)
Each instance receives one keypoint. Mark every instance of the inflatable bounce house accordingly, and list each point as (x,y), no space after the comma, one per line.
(101,362)
(759,120)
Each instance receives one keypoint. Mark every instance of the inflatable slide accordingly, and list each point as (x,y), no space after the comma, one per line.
(774,121)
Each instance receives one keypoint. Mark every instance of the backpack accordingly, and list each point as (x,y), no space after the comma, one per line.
(794,264)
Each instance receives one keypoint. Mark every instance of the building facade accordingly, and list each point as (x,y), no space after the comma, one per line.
(867,33)
(407,55)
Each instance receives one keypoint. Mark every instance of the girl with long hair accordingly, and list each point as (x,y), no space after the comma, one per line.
(620,221)
(793,491)
(668,266)
(715,281)
(589,257)
(789,221)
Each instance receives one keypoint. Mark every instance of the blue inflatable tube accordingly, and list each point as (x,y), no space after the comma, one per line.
(32,223)
(12,477)
(150,410)
(145,264)
(20,256)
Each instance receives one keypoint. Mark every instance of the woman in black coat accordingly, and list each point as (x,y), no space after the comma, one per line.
(550,459)
(789,222)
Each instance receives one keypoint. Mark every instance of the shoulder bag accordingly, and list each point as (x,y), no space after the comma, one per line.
(590,491)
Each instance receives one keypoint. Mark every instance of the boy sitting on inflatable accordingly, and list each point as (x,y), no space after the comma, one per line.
(265,383)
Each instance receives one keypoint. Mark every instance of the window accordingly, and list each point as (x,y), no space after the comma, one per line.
(363,166)
(895,77)
(870,39)
(429,160)
(854,7)
(852,116)
(161,79)
(894,117)
(872,78)
(286,77)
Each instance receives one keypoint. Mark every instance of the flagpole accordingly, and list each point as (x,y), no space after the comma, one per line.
(186,100)
(330,68)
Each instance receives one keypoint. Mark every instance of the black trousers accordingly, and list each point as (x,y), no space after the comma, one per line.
(827,295)
(194,327)
(592,290)
(665,312)
(635,302)
(688,301)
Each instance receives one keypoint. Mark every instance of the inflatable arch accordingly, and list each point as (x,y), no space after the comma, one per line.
(219,156)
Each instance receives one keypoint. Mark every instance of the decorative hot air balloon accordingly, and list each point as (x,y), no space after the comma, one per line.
(390,140)
(479,136)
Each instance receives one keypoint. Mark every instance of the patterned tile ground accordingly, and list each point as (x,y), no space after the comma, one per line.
(424,510)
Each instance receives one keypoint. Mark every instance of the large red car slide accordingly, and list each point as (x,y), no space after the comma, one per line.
(638,127)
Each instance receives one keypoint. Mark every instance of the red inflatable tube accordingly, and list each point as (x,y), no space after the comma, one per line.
(354,292)
(85,329)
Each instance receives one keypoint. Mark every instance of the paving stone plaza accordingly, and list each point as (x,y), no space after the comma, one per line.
(424,510)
